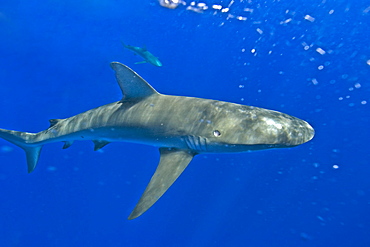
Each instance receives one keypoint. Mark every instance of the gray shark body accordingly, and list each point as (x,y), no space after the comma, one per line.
(181,127)
(144,53)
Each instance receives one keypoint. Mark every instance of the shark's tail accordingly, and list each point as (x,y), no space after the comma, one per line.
(23,140)
(124,45)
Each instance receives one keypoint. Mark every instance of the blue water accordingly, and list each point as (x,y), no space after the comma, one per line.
(309,59)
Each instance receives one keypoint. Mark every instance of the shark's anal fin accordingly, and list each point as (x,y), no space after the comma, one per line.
(172,163)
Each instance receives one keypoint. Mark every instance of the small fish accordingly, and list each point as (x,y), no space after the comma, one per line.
(144,53)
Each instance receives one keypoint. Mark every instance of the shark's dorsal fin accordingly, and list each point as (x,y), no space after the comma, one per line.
(172,163)
(134,88)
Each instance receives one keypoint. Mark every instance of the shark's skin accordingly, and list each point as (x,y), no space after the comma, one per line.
(144,53)
(181,127)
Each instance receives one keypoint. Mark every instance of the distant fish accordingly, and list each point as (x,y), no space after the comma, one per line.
(144,53)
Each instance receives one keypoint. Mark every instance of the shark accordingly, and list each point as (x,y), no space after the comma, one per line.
(144,53)
(180,127)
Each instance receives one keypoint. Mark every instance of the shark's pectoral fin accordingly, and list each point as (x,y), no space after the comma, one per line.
(99,144)
(141,62)
(172,163)
(33,155)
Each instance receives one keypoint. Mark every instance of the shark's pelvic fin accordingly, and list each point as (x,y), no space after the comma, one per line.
(67,144)
(99,144)
(133,87)
(20,139)
(172,163)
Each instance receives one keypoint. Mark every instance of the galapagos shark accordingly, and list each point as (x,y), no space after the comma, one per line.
(144,53)
(181,127)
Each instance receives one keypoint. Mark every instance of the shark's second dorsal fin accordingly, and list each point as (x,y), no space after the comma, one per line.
(134,88)
(54,122)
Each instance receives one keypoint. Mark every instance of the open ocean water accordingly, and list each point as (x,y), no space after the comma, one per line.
(309,59)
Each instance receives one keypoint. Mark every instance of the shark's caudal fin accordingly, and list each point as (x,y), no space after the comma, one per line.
(20,139)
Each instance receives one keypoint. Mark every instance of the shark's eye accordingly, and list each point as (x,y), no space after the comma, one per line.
(216,133)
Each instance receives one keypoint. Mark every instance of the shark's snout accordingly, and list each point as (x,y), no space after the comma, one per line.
(298,132)
(157,63)
(304,133)
(280,129)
